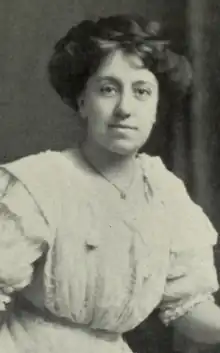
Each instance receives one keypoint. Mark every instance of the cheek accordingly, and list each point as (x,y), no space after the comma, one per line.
(146,127)
(98,117)
(101,109)
(148,113)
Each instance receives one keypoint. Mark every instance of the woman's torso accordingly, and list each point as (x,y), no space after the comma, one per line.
(104,271)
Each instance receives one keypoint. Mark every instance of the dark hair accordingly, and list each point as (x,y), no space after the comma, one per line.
(79,53)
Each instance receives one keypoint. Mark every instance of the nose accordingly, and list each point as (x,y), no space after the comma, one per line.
(124,106)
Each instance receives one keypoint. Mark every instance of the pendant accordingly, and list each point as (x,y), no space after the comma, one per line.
(123,195)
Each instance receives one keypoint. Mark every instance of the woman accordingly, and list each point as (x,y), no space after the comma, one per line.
(94,238)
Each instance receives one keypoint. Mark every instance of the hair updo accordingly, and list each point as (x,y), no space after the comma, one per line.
(80,52)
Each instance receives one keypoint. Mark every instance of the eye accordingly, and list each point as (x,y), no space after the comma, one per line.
(142,93)
(108,90)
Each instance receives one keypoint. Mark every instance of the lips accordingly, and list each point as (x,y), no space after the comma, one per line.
(122,126)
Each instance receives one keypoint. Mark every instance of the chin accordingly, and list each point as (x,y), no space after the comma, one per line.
(124,150)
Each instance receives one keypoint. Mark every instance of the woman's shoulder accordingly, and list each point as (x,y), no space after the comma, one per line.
(46,176)
(48,172)
(44,173)
(159,175)
(189,225)
(38,161)
(48,165)
(167,186)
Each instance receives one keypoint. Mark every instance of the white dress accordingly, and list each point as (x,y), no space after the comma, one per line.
(75,272)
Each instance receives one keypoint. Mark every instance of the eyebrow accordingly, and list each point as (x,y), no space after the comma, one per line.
(142,82)
(108,78)
(117,80)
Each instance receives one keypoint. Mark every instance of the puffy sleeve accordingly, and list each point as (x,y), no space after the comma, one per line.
(191,276)
(23,236)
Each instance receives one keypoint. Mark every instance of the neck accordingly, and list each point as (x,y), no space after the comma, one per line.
(116,167)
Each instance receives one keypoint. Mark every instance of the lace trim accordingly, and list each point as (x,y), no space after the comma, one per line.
(170,314)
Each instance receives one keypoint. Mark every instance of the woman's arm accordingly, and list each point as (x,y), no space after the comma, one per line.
(201,324)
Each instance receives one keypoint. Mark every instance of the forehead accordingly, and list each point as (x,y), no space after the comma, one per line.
(124,67)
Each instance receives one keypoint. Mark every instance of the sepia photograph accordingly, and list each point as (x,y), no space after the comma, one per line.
(109,176)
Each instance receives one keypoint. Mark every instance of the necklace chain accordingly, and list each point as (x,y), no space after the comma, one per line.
(123,194)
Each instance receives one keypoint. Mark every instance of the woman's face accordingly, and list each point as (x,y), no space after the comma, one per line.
(119,103)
